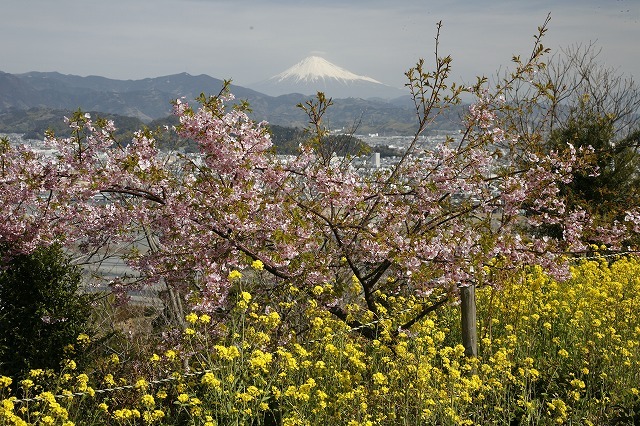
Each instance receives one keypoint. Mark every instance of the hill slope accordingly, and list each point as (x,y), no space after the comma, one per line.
(150,99)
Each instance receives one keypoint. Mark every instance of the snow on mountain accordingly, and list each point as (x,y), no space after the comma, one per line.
(314,74)
(315,68)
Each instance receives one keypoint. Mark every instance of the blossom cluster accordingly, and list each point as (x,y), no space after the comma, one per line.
(439,217)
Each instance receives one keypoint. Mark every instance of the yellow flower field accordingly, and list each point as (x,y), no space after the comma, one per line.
(549,353)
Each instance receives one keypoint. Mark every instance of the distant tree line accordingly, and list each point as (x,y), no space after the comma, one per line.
(34,123)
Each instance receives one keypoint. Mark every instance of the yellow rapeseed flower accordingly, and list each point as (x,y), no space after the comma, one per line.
(234,275)
(36,373)
(379,378)
(245,298)
(577,383)
(260,360)
(208,379)
(26,383)
(83,339)
(141,384)
(272,319)
(148,401)
(47,421)
(7,405)
(227,353)
(191,318)
(5,381)
(152,416)
(126,414)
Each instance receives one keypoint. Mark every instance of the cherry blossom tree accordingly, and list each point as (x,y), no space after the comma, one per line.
(350,239)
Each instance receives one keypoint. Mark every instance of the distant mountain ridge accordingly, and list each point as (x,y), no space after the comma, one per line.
(150,99)
(146,99)
(313,74)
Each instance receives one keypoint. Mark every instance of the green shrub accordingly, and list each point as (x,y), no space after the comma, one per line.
(41,312)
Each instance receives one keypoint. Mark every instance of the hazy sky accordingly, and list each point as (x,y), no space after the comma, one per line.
(251,40)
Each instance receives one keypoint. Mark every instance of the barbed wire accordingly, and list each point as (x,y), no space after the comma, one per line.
(105,390)
(606,256)
(176,377)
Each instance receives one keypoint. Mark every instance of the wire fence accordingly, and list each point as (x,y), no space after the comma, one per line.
(187,374)
(176,377)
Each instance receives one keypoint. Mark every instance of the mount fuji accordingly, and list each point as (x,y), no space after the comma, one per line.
(314,74)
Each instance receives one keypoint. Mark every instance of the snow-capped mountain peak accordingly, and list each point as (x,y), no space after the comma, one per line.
(314,68)
(314,74)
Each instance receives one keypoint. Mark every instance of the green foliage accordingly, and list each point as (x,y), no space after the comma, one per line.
(616,185)
(35,122)
(606,194)
(41,312)
(594,108)
(286,140)
(344,145)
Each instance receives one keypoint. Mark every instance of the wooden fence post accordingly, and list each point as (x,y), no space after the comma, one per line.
(468,311)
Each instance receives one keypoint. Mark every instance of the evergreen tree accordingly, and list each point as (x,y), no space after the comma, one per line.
(615,184)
